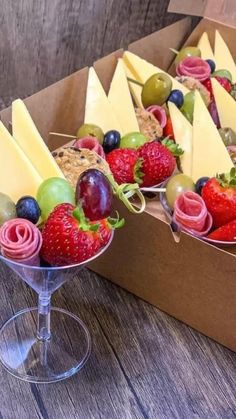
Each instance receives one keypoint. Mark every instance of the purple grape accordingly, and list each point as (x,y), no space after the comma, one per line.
(94,194)
(214,113)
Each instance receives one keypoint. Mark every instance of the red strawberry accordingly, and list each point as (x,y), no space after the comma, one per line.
(222,80)
(225,233)
(158,163)
(168,129)
(124,165)
(69,239)
(219,195)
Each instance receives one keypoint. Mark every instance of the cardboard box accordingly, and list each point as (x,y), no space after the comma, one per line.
(191,280)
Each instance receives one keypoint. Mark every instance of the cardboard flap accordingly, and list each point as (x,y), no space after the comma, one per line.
(223,11)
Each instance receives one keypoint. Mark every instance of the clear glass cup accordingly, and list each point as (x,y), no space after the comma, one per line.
(45,344)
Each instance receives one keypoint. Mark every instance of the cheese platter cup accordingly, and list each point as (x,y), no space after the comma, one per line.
(150,118)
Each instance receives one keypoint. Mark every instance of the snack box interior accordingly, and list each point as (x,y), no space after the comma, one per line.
(188,279)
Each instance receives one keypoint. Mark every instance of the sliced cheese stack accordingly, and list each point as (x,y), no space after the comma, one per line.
(141,70)
(223,57)
(183,133)
(205,47)
(98,109)
(225,104)
(210,155)
(29,140)
(121,101)
(18,177)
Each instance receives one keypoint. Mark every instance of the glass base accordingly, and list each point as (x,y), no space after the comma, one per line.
(35,361)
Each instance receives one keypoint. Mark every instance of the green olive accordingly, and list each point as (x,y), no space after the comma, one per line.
(228,136)
(7,208)
(156,90)
(90,130)
(188,106)
(187,52)
(177,185)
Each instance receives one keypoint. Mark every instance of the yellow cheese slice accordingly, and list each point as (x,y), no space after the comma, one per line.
(98,109)
(142,70)
(135,89)
(210,155)
(223,57)
(121,101)
(28,138)
(205,47)
(183,132)
(225,104)
(18,177)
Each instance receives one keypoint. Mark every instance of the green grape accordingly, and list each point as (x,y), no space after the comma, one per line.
(187,52)
(90,130)
(133,140)
(156,90)
(188,106)
(223,73)
(52,192)
(177,185)
(7,208)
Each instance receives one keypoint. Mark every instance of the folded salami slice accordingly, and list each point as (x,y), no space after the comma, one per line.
(20,241)
(191,214)
(91,143)
(194,67)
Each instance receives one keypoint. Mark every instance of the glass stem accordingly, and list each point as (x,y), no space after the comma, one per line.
(44,308)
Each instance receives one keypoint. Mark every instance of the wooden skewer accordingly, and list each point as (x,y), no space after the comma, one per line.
(63,135)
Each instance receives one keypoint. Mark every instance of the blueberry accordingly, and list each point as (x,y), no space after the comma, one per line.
(177,97)
(111,141)
(200,183)
(212,65)
(28,208)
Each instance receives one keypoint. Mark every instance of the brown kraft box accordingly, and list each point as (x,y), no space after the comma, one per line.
(190,279)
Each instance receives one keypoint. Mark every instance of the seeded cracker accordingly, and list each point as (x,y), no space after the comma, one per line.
(148,124)
(74,161)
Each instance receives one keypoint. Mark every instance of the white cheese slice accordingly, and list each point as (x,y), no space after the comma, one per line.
(223,56)
(28,138)
(210,155)
(226,106)
(98,109)
(183,133)
(205,47)
(18,177)
(121,100)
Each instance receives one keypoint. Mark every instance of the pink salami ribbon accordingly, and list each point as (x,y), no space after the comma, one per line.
(91,143)
(194,67)
(20,241)
(191,214)
(159,113)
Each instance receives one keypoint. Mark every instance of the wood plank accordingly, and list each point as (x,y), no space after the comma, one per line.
(43,41)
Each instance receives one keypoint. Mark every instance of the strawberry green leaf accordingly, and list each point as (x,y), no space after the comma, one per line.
(174,148)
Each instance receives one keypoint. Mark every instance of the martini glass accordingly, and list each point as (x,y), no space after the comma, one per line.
(45,344)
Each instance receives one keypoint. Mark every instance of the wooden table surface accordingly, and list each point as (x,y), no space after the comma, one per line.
(144,364)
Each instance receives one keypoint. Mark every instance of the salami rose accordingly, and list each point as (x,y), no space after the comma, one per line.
(20,241)
(194,67)
(91,143)
(191,214)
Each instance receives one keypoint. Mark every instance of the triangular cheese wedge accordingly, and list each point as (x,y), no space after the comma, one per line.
(135,89)
(121,100)
(28,138)
(183,132)
(226,106)
(18,177)
(210,155)
(141,70)
(223,57)
(205,47)
(98,109)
